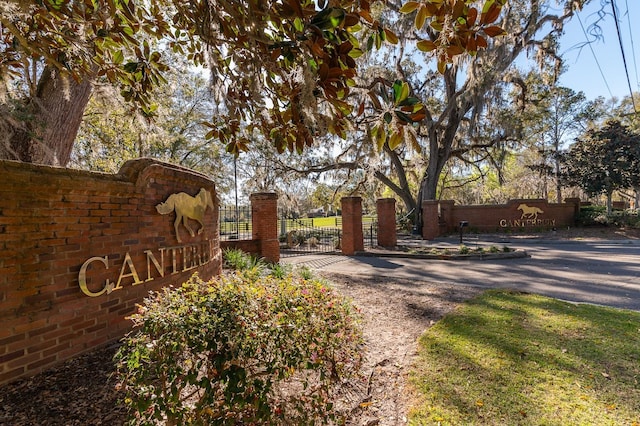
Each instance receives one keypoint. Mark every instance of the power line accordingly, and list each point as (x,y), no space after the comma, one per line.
(594,55)
(633,47)
(624,59)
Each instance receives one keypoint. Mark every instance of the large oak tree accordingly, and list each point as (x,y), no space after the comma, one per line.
(421,117)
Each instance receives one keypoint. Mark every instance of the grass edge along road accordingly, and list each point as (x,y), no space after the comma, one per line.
(512,358)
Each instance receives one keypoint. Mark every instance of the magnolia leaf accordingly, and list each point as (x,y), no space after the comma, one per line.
(418,116)
(421,17)
(491,15)
(374,100)
(458,9)
(397,91)
(396,138)
(404,118)
(472,16)
(404,94)
(494,31)
(380,137)
(409,7)
(366,16)
(356,53)
(391,37)
(481,42)
(454,50)
(211,134)
(487,5)
(471,45)
(426,45)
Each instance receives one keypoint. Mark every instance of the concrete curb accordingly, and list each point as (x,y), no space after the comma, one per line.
(516,254)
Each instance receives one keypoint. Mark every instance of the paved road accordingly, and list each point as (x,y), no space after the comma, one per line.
(605,272)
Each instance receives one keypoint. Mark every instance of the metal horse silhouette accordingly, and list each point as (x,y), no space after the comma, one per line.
(530,212)
(187,207)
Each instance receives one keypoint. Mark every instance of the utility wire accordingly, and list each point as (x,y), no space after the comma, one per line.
(594,55)
(624,59)
(633,47)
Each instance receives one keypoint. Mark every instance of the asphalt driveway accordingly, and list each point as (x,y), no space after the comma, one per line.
(598,272)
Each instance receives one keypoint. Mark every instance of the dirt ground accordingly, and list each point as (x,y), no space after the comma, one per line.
(82,391)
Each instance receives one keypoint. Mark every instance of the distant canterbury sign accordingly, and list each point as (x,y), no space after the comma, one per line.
(529,217)
(158,261)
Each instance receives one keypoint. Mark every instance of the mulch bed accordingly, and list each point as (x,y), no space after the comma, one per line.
(83,391)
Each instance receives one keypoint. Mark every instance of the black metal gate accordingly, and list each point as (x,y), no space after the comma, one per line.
(370,231)
(310,235)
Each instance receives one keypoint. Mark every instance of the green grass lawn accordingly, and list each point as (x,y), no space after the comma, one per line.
(507,358)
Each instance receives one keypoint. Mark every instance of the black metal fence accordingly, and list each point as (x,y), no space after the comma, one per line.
(309,235)
(235,224)
(297,236)
(370,232)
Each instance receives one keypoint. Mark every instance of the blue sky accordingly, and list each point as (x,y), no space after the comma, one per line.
(583,73)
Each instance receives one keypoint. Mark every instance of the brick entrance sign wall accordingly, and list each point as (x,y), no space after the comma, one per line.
(78,250)
(442,217)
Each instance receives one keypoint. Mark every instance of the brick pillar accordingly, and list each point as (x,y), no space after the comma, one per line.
(446,216)
(576,205)
(386,208)
(352,238)
(430,225)
(264,218)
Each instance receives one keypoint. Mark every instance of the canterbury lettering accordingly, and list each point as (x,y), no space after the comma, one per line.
(177,259)
(521,223)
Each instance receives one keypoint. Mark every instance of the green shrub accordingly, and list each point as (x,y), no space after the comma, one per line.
(464,249)
(306,273)
(279,271)
(597,215)
(240,261)
(238,351)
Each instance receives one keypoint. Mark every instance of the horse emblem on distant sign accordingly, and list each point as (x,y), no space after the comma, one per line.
(529,212)
(187,207)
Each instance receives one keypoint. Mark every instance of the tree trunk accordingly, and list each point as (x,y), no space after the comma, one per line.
(54,115)
(609,203)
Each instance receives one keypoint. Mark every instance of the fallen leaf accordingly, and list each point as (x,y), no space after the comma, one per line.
(606,376)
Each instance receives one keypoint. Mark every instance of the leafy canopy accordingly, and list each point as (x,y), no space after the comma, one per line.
(604,160)
(283,68)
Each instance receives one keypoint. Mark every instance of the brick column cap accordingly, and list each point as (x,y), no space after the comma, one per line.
(386,200)
(352,198)
(263,196)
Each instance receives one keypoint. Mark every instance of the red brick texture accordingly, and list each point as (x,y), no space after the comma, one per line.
(386,209)
(79,250)
(352,236)
(444,217)
(264,221)
(430,220)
